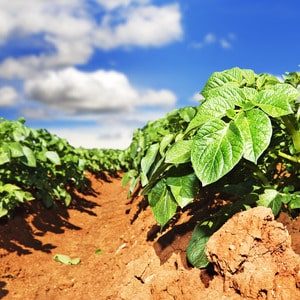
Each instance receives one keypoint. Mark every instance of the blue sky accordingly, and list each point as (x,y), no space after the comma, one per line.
(92,71)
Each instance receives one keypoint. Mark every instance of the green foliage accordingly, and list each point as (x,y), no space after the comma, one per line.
(35,164)
(243,139)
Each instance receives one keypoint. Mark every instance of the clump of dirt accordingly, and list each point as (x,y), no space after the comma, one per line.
(123,253)
(253,253)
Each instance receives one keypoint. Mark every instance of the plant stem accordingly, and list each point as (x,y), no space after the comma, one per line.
(289,157)
(260,175)
(293,131)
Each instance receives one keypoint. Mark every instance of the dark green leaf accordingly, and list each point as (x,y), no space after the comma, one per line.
(197,245)
(162,203)
(184,188)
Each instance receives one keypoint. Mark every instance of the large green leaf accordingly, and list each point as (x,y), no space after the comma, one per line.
(232,76)
(275,101)
(184,188)
(162,203)
(211,109)
(233,94)
(217,148)
(180,152)
(256,130)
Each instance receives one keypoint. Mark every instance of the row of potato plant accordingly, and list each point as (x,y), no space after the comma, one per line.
(35,164)
(243,140)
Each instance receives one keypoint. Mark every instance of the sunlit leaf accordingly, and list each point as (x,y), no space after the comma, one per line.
(217,148)
(256,130)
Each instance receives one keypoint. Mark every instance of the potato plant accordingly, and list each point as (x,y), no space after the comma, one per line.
(35,164)
(243,139)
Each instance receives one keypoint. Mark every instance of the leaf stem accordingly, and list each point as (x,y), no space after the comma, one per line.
(293,131)
(289,157)
(260,175)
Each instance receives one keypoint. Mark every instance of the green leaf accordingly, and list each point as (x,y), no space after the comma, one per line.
(147,162)
(232,94)
(184,187)
(4,154)
(272,199)
(29,158)
(53,157)
(295,201)
(211,109)
(66,260)
(16,149)
(162,203)
(275,101)
(217,148)
(256,130)
(165,142)
(180,152)
(98,251)
(196,248)
(232,76)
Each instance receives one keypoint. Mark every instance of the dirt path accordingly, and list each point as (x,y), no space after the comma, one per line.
(123,255)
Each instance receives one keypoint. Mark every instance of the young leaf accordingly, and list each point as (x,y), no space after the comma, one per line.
(165,142)
(211,109)
(29,158)
(256,130)
(179,153)
(217,148)
(53,157)
(232,76)
(295,201)
(4,154)
(162,203)
(270,198)
(16,149)
(147,161)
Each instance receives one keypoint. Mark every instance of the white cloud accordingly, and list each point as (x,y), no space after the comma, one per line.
(114,137)
(68,32)
(142,26)
(112,4)
(211,38)
(78,92)
(197,97)
(8,96)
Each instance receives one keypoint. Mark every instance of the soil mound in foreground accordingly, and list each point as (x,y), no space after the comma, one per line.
(253,254)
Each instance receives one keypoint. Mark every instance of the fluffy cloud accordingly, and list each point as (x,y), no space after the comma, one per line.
(8,96)
(78,92)
(67,32)
(141,26)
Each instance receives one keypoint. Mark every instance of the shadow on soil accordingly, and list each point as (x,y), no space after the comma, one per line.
(21,233)
(3,292)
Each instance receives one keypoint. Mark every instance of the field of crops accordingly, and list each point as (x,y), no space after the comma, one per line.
(240,144)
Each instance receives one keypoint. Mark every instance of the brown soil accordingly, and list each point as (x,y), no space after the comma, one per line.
(134,259)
